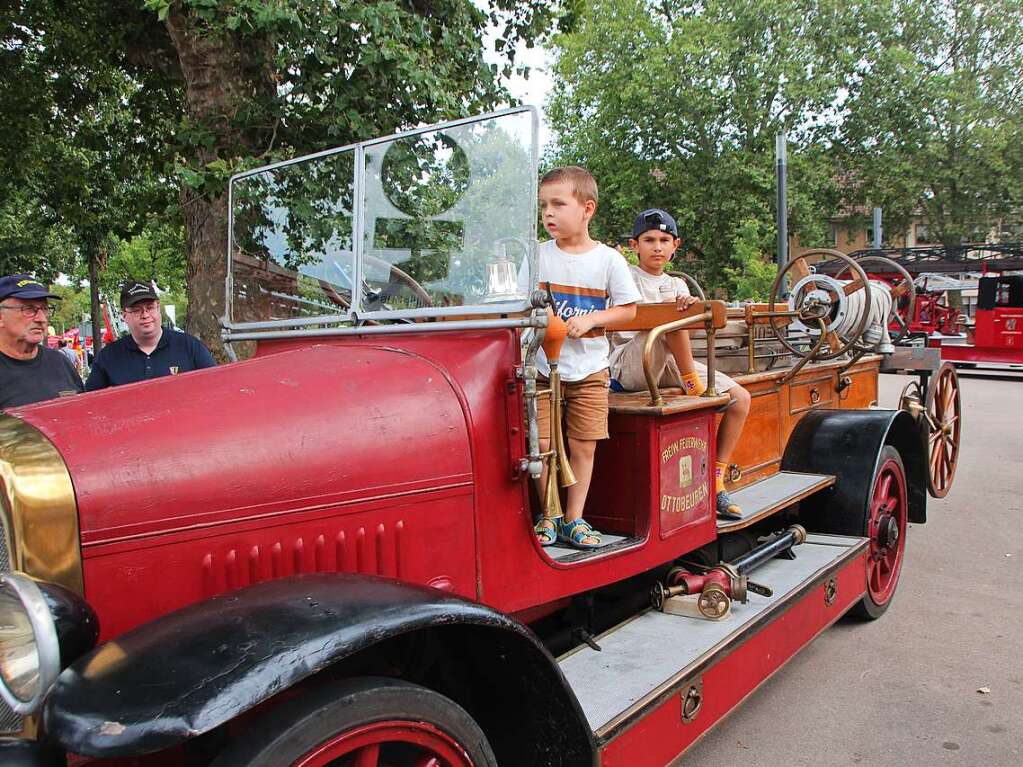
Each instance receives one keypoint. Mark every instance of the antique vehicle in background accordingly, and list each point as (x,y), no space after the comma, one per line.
(324,553)
(995,337)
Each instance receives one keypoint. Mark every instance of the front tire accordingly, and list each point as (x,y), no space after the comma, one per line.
(885,522)
(366,722)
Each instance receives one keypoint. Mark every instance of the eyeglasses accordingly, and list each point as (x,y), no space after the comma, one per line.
(140,309)
(29,312)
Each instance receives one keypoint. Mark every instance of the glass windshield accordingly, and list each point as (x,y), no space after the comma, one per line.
(444,218)
(292,245)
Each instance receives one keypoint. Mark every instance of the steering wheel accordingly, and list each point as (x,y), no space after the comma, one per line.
(819,296)
(400,286)
(694,286)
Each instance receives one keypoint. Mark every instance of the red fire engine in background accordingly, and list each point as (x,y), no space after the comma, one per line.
(995,337)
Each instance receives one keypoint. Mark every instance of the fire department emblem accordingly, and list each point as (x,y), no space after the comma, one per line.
(685,471)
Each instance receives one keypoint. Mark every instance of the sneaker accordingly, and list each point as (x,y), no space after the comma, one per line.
(726,507)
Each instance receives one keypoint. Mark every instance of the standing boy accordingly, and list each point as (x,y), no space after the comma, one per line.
(655,239)
(591,287)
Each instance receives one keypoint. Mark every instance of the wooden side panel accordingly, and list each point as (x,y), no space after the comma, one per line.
(759,451)
(862,393)
(813,393)
(776,408)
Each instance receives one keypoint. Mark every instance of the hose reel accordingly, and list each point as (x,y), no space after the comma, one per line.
(856,312)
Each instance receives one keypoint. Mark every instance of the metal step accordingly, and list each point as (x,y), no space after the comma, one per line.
(763,498)
(567,554)
(641,660)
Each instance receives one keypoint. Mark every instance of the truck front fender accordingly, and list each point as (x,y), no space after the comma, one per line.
(197,668)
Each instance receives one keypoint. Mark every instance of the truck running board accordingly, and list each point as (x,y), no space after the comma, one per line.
(660,681)
(771,495)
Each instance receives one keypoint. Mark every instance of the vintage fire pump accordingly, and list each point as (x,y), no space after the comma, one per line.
(323,554)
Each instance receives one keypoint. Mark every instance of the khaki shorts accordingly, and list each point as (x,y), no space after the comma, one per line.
(627,367)
(585,408)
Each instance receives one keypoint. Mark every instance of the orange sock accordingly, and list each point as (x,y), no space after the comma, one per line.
(719,476)
(692,385)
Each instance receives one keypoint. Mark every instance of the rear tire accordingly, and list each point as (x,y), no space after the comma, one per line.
(367,721)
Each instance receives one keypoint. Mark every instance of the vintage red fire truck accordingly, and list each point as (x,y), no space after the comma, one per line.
(995,337)
(323,554)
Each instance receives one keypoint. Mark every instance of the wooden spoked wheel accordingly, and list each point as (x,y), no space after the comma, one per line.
(943,411)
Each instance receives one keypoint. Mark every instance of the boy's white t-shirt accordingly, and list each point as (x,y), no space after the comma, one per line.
(582,283)
(654,289)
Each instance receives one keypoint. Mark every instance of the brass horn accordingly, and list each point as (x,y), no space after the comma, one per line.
(557,457)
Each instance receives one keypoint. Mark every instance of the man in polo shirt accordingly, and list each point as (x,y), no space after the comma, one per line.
(29,372)
(150,350)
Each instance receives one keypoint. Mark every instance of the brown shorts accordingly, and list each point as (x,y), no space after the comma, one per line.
(585,408)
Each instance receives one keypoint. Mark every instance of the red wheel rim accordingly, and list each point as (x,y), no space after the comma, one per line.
(887,531)
(420,745)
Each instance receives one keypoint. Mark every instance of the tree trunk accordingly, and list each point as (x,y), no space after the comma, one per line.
(220,74)
(95,310)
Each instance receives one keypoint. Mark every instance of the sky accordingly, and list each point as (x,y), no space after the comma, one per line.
(532,91)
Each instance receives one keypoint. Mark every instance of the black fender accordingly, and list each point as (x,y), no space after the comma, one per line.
(199,667)
(847,444)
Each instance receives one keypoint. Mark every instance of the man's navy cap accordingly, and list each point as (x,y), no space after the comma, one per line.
(654,218)
(23,286)
(134,291)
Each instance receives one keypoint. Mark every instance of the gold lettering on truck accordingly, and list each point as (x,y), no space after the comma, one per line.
(680,504)
(686,443)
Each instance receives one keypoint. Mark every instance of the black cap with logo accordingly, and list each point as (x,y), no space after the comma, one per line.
(134,291)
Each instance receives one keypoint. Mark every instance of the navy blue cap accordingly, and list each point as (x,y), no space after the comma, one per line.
(654,218)
(23,286)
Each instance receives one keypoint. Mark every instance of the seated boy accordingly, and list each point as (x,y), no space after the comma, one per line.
(592,288)
(655,239)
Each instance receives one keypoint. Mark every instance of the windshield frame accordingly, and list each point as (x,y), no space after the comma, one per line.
(355,313)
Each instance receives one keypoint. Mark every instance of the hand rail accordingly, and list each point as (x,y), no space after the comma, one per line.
(707,318)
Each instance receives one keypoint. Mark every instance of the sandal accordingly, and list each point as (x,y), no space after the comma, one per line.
(726,507)
(576,532)
(547,530)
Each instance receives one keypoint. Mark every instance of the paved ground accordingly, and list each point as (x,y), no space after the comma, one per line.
(903,690)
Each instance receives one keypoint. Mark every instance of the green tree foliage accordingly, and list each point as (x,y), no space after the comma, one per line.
(914,107)
(265,80)
(83,139)
(753,273)
(934,122)
(677,104)
(187,92)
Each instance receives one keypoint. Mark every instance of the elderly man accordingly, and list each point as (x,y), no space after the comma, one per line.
(29,372)
(150,350)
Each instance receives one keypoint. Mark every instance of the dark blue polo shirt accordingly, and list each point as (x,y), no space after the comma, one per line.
(122,362)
